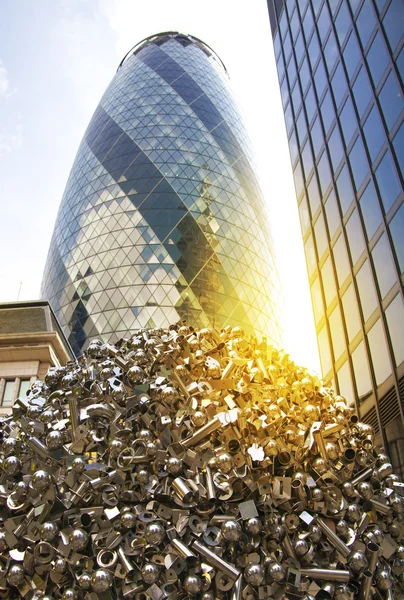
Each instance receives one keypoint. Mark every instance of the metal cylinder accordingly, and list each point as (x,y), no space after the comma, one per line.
(215,561)
(126,563)
(181,489)
(372,553)
(366,584)
(362,476)
(327,574)
(210,486)
(202,433)
(237,590)
(287,547)
(74,414)
(333,538)
(190,558)
(318,438)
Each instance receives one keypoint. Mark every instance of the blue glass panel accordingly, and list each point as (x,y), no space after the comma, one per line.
(389,185)
(301,127)
(366,22)
(291,68)
(314,195)
(287,47)
(345,191)
(348,121)
(362,92)
(327,112)
(308,23)
(377,59)
(293,148)
(324,173)
(342,23)
(332,212)
(391,100)
(289,122)
(396,230)
(296,98)
(398,144)
(336,148)
(304,74)
(317,136)
(307,158)
(294,24)
(320,79)
(331,52)
(354,5)
(352,55)
(359,163)
(311,104)
(277,44)
(299,181)
(380,4)
(314,50)
(355,236)
(283,24)
(384,265)
(316,6)
(299,48)
(400,63)
(393,23)
(339,85)
(374,133)
(320,235)
(367,292)
(372,215)
(324,22)
(281,68)
(341,260)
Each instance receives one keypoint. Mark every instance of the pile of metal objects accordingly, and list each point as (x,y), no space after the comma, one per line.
(185,464)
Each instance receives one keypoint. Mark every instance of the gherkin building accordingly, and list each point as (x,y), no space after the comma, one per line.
(162,219)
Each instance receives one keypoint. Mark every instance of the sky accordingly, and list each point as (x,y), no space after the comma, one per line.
(56,59)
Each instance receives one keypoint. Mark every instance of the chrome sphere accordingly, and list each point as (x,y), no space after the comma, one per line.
(128,519)
(101,580)
(317,494)
(315,533)
(253,526)
(54,440)
(49,530)
(198,418)
(192,584)
(136,375)
(169,394)
(224,462)
(276,572)
(3,541)
(254,575)
(78,539)
(231,531)
(70,594)
(353,513)
(12,465)
(9,446)
(357,561)
(85,580)
(332,451)
(155,533)
(60,565)
(342,528)
(150,573)
(208,596)
(365,490)
(174,465)
(78,465)
(320,465)
(15,575)
(301,548)
(41,480)
(383,580)
(348,490)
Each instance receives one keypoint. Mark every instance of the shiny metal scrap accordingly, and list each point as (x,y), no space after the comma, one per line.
(194,464)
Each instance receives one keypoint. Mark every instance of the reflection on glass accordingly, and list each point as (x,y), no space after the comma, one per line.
(335,147)
(327,112)
(311,104)
(359,163)
(377,59)
(292,71)
(314,50)
(345,191)
(398,144)
(352,55)
(366,288)
(351,312)
(372,215)
(345,383)
(374,133)
(339,86)
(314,195)
(396,230)
(298,177)
(327,275)
(289,122)
(362,92)
(324,173)
(355,236)
(307,158)
(310,255)
(304,215)
(341,260)
(348,121)
(24,387)
(331,52)
(387,181)
(393,23)
(362,373)
(308,23)
(321,235)
(379,352)
(317,136)
(293,148)
(304,74)
(324,351)
(332,212)
(384,265)
(391,100)
(395,322)
(337,333)
(320,79)
(366,22)
(8,394)
(324,22)
(317,300)
(301,127)
(342,23)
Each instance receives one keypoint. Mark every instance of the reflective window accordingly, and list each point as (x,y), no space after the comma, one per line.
(400,63)
(336,149)
(345,383)
(281,68)
(396,230)
(331,52)
(352,55)
(339,86)
(314,195)
(287,47)
(393,23)
(293,148)
(320,79)
(283,24)
(294,24)
(298,177)
(284,92)
(355,236)
(327,112)
(332,212)
(362,92)
(362,372)
(314,50)
(366,22)
(374,133)
(327,275)
(308,23)
(367,292)
(342,23)
(292,71)
(8,394)
(304,215)
(398,144)
(324,351)
(387,181)
(379,352)
(324,173)
(299,48)
(324,22)
(372,215)
(25,386)
(289,122)
(296,98)
(391,100)
(310,255)
(359,163)
(317,136)
(384,265)
(395,322)
(311,104)
(377,58)
(304,74)
(316,5)
(301,127)
(380,4)
(351,312)
(321,236)
(307,158)
(345,190)
(277,45)
(348,121)
(337,332)
(341,260)
(317,300)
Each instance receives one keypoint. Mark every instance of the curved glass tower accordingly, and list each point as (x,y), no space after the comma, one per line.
(162,218)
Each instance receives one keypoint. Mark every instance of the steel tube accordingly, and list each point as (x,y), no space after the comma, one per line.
(366,584)
(190,558)
(202,433)
(327,574)
(333,538)
(215,561)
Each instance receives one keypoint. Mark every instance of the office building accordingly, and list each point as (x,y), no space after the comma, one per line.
(162,219)
(340,66)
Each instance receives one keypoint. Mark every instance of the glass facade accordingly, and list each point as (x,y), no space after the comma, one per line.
(354,117)
(162,219)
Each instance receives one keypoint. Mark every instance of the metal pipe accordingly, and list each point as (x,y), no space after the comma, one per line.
(210,486)
(184,493)
(372,553)
(327,574)
(215,561)
(237,589)
(287,546)
(202,433)
(366,584)
(318,438)
(127,565)
(333,538)
(74,414)
(190,558)
(362,476)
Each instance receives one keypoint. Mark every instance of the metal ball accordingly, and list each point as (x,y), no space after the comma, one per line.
(174,465)
(15,575)
(128,520)
(47,416)
(151,449)
(320,465)
(136,375)
(12,465)
(34,412)
(208,596)
(353,513)
(385,469)
(169,394)
(78,539)
(198,418)
(365,490)
(315,533)
(348,490)
(192,584)
(253,526)
(155,533)
(231,531)
(101,580)
(224,463)
(276,572)
(3,541)
(271,448)
(21,489)
(115,447)
(145,435)
(342,592)
(310,412)
(150,573)
(9,446)
(49,530)
(84,580)
(41,480)
(342,528)
(60,565)
(79,465)
(54,440)
(317,494)
(357,561)
(70,594)
(361,457)
(383,580)
(143,475)
(332,451)
(254,575)
(301,548)
(400,552)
